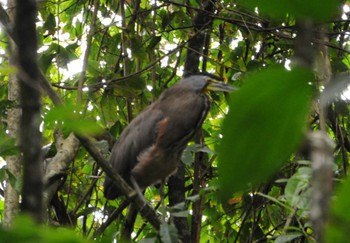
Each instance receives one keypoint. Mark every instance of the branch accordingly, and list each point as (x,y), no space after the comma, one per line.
(66,152)
(113,216)
(87,51)
(145,210)
(320,149)
(5,21)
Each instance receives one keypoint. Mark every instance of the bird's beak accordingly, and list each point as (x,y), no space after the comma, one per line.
(214,85)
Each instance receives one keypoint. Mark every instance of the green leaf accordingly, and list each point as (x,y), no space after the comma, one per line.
(69,118)
(149,240)
(187,157)
(144,4)
(180,214)
(87,211)
(109,107)
(275,200)
(23,231)
(137,47)
(16,182)
(2,173)
(45,60)
(94,68)
(7,70)
(153,43)
(298,192)
(61,113)
(168,233)
(265,124)
(288,238)
(50,23)
(84,127)
(130,87)
(314,9)
(7,145)
(338,226)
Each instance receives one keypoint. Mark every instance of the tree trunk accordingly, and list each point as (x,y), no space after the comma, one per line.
(13,118)
(30,135)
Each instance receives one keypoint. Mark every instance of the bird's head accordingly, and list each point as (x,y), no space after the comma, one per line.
(205,83)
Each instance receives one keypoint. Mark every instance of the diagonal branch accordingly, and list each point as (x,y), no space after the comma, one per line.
(145,210)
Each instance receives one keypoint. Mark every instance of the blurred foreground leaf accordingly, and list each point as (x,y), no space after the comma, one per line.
(264,126)
(25,230)
(311,9)
(168,233)
(339,225)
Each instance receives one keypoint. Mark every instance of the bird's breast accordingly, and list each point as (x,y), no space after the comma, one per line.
(154,165)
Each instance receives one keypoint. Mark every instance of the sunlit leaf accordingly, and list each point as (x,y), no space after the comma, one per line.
(6,70)
(144,4)
(264,126)
(69,118)
(84,127)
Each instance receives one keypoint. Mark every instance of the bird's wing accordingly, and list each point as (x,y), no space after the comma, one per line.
(185,119)
(139,135)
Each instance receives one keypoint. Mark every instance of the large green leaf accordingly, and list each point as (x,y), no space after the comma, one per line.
(314,9)
(168,233)
(338,227)
(69,119)
(264,126)
(25,230)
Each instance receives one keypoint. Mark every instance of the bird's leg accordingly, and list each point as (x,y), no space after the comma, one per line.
(162,195)
(137,189)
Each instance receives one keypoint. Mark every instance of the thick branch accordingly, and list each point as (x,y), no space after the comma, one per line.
(56,167)
(320,148)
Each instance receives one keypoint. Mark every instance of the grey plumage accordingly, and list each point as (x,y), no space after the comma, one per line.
(150,147)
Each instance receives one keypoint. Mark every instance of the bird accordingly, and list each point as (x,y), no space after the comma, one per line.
(150,147)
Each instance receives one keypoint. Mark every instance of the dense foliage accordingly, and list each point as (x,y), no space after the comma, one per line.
(246,178)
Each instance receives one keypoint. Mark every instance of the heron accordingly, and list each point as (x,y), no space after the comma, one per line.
(150,147)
